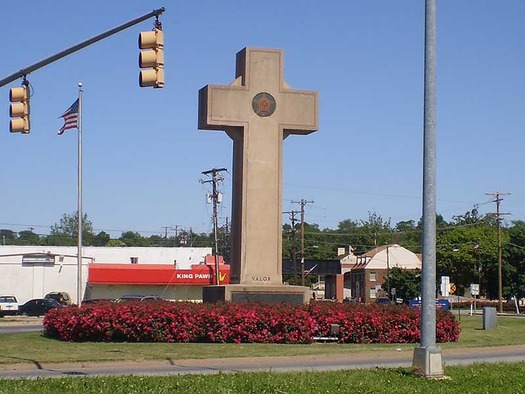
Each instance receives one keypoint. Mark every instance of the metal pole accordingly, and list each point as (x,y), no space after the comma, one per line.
(79,196)
(25,71)
(427,358)
(428,318)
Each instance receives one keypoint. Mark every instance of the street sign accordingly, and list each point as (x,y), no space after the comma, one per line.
(445,286)
(474,289)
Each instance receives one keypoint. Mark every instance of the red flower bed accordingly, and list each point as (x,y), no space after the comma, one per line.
(241,323)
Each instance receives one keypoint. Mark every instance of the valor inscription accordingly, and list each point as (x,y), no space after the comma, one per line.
(263,104)
(261,278)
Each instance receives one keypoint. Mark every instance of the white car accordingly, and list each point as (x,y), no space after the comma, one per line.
(8,305)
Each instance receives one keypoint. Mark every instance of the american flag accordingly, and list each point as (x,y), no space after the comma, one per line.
(70,118)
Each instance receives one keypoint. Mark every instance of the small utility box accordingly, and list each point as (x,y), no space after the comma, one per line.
(489,318)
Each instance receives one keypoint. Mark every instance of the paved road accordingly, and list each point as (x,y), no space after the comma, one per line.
(382,359)
(19,328)
(19,324)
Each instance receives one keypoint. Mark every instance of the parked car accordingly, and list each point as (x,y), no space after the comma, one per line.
(138,297)
(39,306)
(8,305)
(96,301)
(383,301)
(60,296)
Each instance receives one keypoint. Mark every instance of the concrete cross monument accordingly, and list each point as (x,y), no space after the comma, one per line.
(258,110)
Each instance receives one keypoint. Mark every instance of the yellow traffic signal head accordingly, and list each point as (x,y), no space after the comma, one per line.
(19,109)
(151,39)
(152,57)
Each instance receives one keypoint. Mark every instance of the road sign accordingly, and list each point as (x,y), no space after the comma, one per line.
(474,289)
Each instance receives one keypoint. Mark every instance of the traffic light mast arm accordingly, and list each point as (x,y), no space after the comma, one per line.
(25,71)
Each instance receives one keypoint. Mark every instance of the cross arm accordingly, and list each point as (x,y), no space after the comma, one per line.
(222,107)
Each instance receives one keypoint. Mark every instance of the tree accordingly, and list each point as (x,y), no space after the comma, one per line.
(462,249)
(27,237)
(7,237)
(406,282)
(378,229)
(115,243)
(101,239)
(407,234)
(366,234)
(131,238)
(514,260)
(65,232)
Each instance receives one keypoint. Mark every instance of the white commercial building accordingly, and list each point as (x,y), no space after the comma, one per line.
(107,272)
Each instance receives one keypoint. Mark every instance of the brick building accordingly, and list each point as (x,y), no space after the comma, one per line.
(364,279)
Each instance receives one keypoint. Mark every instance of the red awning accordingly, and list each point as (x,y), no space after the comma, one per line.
(156,274)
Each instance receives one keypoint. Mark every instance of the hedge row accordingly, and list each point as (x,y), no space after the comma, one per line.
(241,323)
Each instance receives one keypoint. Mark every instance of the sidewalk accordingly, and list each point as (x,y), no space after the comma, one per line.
(365,359)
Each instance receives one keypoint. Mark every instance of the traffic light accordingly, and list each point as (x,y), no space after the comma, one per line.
(19,109)
(151,57)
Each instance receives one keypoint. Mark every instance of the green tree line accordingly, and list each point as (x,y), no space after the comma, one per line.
(466,246)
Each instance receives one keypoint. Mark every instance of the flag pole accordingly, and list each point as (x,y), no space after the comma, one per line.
(79,198)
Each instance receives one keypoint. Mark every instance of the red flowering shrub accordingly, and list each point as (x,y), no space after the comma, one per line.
(242,323)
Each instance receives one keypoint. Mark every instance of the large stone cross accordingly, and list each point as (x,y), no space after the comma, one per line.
(257,111)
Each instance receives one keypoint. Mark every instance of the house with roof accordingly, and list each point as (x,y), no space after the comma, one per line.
(365,276)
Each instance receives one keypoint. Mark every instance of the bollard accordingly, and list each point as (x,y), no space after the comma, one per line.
(489,318)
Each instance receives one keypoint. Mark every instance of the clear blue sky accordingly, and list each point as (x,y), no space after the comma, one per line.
(143,154)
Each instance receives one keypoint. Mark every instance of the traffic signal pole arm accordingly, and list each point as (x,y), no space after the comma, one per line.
(25,71)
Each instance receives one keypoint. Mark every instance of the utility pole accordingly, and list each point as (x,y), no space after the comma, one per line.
(497,200)
(302,203)
(388,272)
(215,177)
(166,231)
(174,228)
(294,254)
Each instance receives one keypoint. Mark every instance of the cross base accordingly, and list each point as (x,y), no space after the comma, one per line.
(237,293)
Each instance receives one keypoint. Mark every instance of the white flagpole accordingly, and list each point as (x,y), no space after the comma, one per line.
(79,196)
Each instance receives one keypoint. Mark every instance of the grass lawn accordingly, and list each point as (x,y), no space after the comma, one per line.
(479,378)
(34,348)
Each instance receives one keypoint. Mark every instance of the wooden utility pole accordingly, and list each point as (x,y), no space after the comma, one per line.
(497,200)
(215,177)
(388,272)
(302,203)
(294,253)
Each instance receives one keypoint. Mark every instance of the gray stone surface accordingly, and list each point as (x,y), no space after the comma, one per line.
(489,318)
(272,294)
(257,111)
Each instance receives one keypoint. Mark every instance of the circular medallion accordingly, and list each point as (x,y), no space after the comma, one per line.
(263,104)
